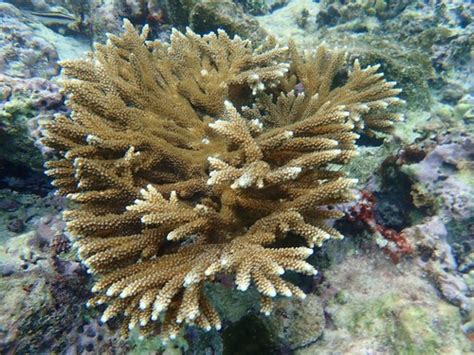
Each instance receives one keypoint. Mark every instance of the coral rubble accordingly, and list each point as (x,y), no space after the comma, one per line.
(195,158)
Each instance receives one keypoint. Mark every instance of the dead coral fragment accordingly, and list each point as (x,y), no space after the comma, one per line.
(191,159)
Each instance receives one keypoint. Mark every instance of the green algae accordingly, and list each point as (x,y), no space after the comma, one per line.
(368,161)
(403,326)
(16,144)
(411,69)
(155,345)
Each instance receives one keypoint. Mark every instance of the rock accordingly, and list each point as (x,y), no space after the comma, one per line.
(16,226)
(468,329)
(23,54)
(436,258)
(30,100)
(414,44)
(293,323)
(9,205)
(29,208)
(446,173)
(297,323)
(385,309)
(210,16)
(29,55)
(42,302)
(232,303)
(249,335)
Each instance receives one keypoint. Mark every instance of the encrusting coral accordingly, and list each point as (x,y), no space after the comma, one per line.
(191,159)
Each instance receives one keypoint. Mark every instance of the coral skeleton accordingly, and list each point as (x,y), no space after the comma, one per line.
(193,159)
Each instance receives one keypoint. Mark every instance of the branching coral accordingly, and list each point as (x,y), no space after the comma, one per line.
(184,164)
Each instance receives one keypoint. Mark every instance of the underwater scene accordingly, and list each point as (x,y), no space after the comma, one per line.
(236,177)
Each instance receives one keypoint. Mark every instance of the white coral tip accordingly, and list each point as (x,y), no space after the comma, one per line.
(254,77)
(193,316)
(256,122)
(271,293)
(243,287)
(190,279)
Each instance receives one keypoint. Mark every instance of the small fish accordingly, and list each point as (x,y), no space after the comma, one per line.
(54,18)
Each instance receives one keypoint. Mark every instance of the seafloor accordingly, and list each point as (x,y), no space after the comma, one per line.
(401,282)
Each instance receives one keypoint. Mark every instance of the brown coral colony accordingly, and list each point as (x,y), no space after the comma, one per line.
(190,159)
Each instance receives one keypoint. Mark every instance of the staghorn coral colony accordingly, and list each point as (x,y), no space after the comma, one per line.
(194,159)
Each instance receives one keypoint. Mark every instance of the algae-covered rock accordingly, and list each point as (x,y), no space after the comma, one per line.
(431,239)
(42,298)
(368,161)
(23,103)
(249,336)
(386,309)
(29,54)
(421,47)
(411,69)
(338,12)
(232,304)
(30,293)
(206,16)
(446,173)
(22,52)
(155,345)
(210,16)
(297,323)
(178,11)
(293,323)
(256,7)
